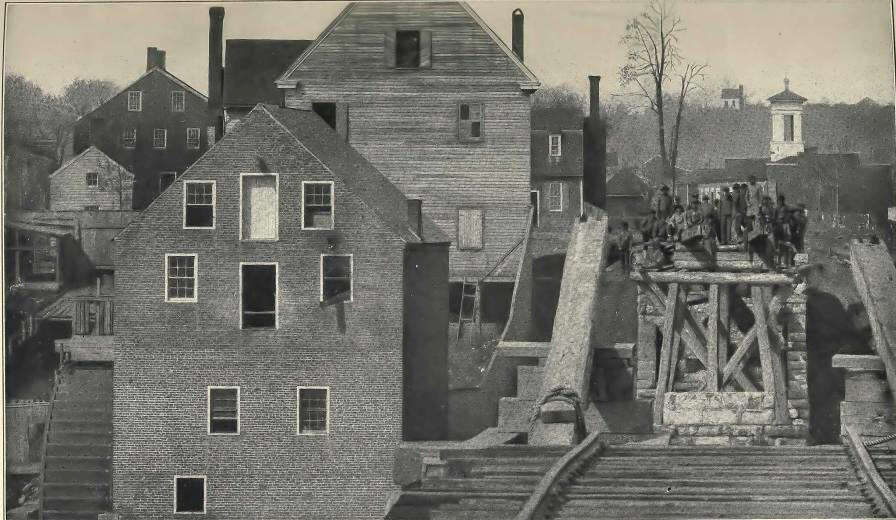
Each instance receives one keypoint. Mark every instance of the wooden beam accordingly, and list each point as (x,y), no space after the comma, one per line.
(676,336)
(743,349)
(665,352)
(772,369)
(712,341)
(712,277)
(724,326)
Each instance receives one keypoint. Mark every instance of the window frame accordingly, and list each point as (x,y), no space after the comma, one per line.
(164,138)
(209,409)
(124,140)
(559,138)
(481,211)
(139,104)
(351,278)
(326,430)
(419,49)
(332,206)
(470,120)
(550,197)
(276,296)
(276,213)
(198,139)
(195,297)
(214,204)
(95,185)
(204,494)
(183,101)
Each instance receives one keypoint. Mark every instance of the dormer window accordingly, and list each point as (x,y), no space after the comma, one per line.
(555,143)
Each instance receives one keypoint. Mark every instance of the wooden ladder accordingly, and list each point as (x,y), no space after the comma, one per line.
(469,290)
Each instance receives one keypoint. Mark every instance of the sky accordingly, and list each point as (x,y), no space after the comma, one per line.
(831,50)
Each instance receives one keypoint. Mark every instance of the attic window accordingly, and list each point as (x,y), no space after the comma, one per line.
(177,101)
(555,141)
(135,101)
(317,205)
(469,121)
(407,49)
(93,179)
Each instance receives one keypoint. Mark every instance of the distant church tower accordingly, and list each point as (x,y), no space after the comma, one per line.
(787,123)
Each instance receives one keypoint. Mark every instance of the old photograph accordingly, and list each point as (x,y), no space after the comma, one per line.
(437,260)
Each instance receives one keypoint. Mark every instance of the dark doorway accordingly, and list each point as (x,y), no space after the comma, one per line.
(547,273)
(327,112)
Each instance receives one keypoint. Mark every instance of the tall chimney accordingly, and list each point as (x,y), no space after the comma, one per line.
(517,35)
(216,70)
(155,58)
(594,176)
(415,216)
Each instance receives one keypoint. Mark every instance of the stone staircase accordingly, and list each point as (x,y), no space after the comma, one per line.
(78,455)
(710,482)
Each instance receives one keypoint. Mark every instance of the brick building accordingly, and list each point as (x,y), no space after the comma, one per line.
(91,181)
(156,127)
(280,310)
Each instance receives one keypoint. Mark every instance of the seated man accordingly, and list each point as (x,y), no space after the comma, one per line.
(677,223)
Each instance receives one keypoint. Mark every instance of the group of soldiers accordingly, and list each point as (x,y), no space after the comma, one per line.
(743,214)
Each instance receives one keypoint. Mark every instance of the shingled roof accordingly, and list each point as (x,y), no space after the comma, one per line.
(787,95)
(251,66)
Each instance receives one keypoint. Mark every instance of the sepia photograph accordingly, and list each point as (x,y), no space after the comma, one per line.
(438,260)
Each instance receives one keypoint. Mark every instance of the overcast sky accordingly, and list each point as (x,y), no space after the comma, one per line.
(837,50)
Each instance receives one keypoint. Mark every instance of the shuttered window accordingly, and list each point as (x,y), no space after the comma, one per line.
(469,228)
(260,206)
(408,49)
(223,410)
(469,121)
(555,196)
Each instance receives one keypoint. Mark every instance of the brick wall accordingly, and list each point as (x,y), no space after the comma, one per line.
(168,353)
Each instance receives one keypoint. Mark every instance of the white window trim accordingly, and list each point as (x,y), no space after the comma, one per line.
(195,297)
(139,101)
(214,205)
(183,96)
(276,213)
(299,431)
(92,186)
(332,206)
(276,297)
(561,196)
(204,495)
(209,409)
(164,139)
(559,138)
(135,139)
(351,265)
(198,139)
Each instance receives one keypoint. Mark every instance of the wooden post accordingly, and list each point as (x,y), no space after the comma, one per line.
(772,371)
(665,352)
(724,325)
(712,341)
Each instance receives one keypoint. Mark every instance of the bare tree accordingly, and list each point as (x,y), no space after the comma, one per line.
(559,96)
(653,62)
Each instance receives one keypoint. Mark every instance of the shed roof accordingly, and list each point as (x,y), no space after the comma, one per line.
(251,66)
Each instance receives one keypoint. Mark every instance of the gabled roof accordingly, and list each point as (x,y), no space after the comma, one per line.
(78,157)
(532,82)
(361,177)
(787,95)
(557,118)
(626,183)
(161,71)
(252,66)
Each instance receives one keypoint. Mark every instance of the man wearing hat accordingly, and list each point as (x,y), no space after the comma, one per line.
(726,211)
(663,204)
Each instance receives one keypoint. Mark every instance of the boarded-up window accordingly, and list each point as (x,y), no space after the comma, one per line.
(260,207)
(223,410)
(788,128)
(259,296)
(199,204)
(313,410)
(189,494)
(555,196)
(469,228)
(335,279)
(469,121)
(317,200)
(180,278)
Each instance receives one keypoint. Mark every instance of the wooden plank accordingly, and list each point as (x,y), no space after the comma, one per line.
(772,371)
(885,495)
(712,277)
(671,306)
(857,362)
(712,341)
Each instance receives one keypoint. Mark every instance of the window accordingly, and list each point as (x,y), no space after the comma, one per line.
(327,112)
(159,138)
(555,140)
(166,179)
(317,205)
(407,49)
(313,410)
(129,138)
(189,494)
(193,137)
(469,228)
(180,278)
(199,204)
(259,208)
(33,257)
(258,288)
(788,128)
(534,199)
(93,179)
(726,103)
(223,410)
(469,121)
(555,196)
(177,101)
(335,279)
(135,101)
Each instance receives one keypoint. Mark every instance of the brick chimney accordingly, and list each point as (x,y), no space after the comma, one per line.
(517,36)
(216,70)
(415,216)
(594,176)
(155,58)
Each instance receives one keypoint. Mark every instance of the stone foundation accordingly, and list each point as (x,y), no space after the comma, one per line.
(867,407)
